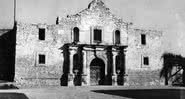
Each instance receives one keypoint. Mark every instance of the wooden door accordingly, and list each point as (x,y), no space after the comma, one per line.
(94,75)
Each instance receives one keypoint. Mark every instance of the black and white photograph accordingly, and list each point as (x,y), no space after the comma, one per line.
(92,49)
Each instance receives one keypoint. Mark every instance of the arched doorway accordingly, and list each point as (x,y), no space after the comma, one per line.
(97,72)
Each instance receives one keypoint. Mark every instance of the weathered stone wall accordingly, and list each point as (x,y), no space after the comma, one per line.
(27,69)
(138,73)
(144,78)
(96,17)
(29,72)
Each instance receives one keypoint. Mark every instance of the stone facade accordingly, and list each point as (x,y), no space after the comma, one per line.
(138,72)
(75,34)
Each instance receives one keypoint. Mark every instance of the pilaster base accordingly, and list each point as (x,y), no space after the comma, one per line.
(84,80)
(70,79)
(114,80)
(126,80)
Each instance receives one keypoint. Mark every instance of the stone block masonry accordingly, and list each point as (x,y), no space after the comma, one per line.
(122,55)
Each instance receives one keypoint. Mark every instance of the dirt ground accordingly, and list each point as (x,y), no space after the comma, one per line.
(95,92)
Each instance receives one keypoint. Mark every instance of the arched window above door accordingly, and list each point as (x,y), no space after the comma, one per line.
(117,37)
(76,34)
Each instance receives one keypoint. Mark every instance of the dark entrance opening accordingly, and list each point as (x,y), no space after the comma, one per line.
(97,72)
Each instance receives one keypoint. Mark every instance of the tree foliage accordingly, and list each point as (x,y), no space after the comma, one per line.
(172,60)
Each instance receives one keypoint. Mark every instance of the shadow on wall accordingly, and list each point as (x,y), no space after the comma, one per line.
(13,96)
(64,77)
(146,93)
(8,86)
(7,55)
(120,65)
(78,64)
(109,66)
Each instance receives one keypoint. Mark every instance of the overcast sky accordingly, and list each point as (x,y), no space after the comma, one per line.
(165,15)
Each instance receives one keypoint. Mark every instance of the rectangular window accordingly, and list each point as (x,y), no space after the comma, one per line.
(41,34)
(146,61)
(143,39)
(42,59)
(97,35)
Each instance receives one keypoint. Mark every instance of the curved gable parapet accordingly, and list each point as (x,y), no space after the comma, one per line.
(97,4)
(96,10)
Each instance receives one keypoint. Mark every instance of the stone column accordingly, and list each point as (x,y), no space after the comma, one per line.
(125,76)
(84,70)
(71,74)
(114,75)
